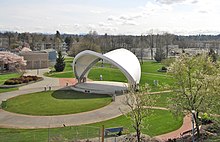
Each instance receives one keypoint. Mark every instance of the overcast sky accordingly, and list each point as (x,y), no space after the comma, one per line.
(133,17)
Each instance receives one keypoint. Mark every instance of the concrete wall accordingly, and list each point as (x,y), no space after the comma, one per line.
(36,60)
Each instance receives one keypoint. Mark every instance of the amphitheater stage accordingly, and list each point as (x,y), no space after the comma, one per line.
(101,87)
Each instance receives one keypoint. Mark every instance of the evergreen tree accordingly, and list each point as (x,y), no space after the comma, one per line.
(60,64)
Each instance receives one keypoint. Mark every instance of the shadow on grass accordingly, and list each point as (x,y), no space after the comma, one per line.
(70,94)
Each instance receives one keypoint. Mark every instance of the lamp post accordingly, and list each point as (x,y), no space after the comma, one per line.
(193,120)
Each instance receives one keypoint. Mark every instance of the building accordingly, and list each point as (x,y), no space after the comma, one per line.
(35,59)
(123,59)
(52,56)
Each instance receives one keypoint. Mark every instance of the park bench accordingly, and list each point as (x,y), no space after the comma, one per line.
(117,130)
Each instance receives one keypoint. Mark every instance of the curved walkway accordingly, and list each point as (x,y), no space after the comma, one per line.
(13,120)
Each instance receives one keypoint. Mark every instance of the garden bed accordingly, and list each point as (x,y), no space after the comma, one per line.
(20,81)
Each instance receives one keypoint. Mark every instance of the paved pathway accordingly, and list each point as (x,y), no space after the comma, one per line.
(13,120)
(48,81)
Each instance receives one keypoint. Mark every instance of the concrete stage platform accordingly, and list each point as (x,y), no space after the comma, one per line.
(101,87)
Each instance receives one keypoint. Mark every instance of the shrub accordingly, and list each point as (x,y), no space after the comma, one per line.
(164,68)
(21,79)
(205,119)
(35,78)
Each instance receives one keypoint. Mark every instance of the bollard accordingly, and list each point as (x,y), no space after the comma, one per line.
(113,97)
(49,88)
(45,88)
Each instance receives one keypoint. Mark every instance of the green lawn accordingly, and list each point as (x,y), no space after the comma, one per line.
(2,90)
(68,66)
(151,67)
(149,78)
(162,100)
(56,103)
(4,77)
(67,73)
(159,123)
(108,74)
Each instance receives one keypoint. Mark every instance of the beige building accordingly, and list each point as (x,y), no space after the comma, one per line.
(35,59)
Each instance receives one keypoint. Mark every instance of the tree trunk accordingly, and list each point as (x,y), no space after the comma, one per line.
(167,52)
(138,135)
(196,116)
(197,124)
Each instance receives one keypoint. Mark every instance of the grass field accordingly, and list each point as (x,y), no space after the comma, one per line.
(108,74)
(159,122)
(162,99)
(67,73)
(2,90)
(4,77)
(151,67)
(56,103)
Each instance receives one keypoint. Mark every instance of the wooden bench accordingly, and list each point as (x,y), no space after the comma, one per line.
(113,130)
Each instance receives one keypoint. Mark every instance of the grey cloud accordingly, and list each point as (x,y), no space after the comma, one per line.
(130,23)
(195,1)
(169,1)
(111,18)
(130,17)
(103,24)
(203,11)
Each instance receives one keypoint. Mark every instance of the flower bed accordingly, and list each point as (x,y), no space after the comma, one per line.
(20,81)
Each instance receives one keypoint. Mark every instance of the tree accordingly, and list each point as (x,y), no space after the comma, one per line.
(168,38)
(159,54)
(138,112)
(69,41)
(60,64)
(58,41)
(196,85)
(213,55)
(150,41)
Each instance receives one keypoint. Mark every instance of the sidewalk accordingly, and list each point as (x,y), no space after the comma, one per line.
(13,120)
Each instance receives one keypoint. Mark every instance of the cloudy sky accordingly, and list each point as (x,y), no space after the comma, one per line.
(133,17)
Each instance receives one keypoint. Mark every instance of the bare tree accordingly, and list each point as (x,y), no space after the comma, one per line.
(168,38)
(138,112)
(150,42)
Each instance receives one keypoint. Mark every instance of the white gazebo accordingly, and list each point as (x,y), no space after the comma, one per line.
(123,59)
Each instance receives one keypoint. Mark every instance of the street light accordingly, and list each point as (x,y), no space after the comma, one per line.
(193,120)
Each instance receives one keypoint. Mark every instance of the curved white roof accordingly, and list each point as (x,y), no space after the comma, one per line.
(125,60)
